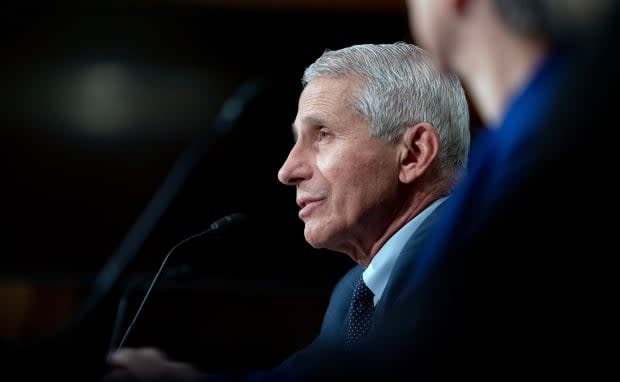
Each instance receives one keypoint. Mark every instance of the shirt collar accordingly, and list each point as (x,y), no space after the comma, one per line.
(377,274)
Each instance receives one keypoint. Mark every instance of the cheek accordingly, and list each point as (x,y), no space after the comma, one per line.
(359,179)
(332,167)
(341,169)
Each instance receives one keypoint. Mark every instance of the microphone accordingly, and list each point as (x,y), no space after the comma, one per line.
(219,226)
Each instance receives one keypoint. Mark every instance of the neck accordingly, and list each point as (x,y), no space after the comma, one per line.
(363,253)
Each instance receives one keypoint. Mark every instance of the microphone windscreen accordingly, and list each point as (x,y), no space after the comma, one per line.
(227,222)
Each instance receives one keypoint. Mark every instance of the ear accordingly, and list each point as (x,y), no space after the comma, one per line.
(418,149)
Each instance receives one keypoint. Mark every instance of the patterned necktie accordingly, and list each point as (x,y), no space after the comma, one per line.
(360,314)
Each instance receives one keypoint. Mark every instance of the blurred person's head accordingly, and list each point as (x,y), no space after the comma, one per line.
(493,44)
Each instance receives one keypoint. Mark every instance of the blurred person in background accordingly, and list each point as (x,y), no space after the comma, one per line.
(539,72)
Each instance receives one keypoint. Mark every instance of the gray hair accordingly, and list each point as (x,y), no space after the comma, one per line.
(400,87)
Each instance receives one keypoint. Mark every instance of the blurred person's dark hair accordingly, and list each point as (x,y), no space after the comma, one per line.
(560,20)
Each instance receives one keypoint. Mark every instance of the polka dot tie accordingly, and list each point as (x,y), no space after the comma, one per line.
(360,313)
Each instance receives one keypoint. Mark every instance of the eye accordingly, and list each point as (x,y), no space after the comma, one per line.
(323,134)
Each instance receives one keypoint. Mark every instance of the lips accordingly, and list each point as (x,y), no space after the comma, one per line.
(306,205)
(304,201)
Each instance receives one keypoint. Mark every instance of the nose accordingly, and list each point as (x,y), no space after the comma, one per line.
(295,168)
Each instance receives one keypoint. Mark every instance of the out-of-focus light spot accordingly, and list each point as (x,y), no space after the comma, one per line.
(101,100)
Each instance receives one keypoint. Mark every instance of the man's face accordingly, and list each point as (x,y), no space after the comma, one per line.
(346,180)
(432,26)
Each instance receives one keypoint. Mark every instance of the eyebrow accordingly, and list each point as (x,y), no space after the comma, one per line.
(308,120)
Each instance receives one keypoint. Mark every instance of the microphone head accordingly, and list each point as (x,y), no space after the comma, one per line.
(227,222)
(220,236)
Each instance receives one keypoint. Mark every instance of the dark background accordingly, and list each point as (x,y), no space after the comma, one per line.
(100,101)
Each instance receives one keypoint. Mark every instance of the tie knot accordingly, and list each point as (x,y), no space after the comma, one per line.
(362,294)
(360,313)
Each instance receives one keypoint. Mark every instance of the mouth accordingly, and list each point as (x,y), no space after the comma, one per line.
(306,206)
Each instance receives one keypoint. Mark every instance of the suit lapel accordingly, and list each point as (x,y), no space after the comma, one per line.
(338,307)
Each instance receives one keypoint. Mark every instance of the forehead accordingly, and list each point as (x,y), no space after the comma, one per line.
(327,99)
(328,91)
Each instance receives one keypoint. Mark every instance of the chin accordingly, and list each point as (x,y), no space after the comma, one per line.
(310,240)
(314,238)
